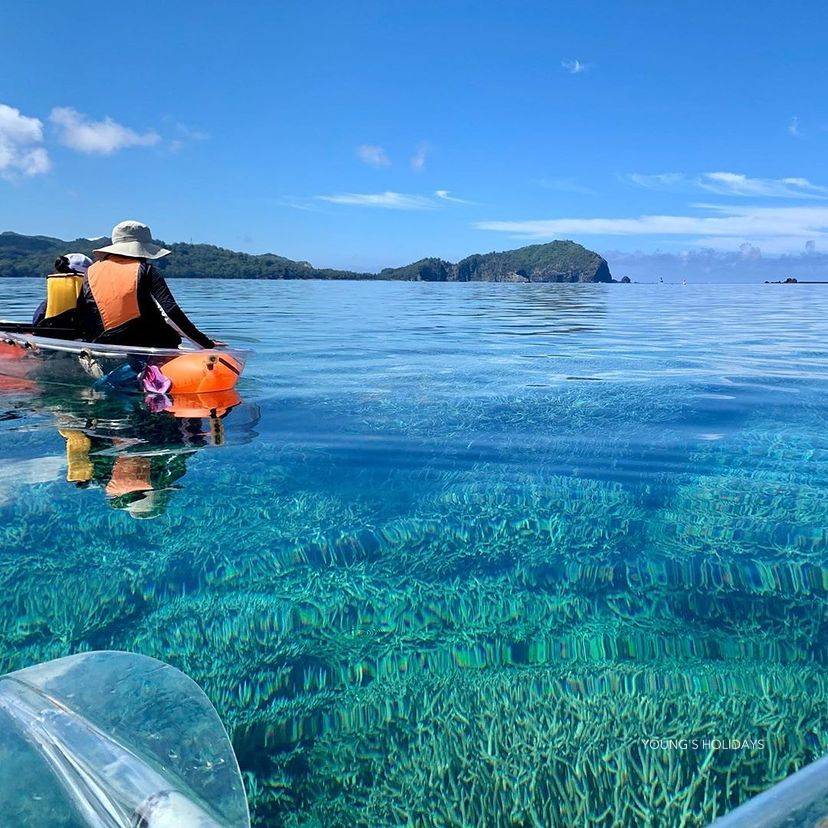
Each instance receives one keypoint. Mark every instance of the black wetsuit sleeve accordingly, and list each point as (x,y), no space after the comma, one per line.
(161,293)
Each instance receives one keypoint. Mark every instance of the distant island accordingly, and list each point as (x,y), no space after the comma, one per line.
(558,261)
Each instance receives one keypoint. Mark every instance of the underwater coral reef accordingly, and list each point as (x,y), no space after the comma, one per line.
(497,652)
(429,595)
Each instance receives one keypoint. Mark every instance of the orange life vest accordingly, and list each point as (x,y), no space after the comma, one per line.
(131,473)
(114,286)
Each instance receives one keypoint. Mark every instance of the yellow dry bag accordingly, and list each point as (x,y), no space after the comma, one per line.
(62,292)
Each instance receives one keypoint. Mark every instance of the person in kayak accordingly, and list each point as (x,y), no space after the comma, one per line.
(59,308)
(125,299)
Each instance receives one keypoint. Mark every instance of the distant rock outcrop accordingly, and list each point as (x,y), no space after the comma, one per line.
(558,261)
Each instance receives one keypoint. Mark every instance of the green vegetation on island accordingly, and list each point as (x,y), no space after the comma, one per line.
(558,261)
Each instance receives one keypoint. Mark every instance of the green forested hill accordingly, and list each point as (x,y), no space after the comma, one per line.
(558,261)
(35,256)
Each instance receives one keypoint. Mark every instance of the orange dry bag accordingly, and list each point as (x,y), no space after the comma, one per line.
(199,373)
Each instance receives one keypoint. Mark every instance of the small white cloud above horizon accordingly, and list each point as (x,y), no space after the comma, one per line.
(575,67)
(373,155)
(793,127)
(388,200)
(20,140)
(656,181)
(722,226)
(187,135)
(418,160)
(78,132)
(728,183)
(445,195)
(732,184)
(300,203)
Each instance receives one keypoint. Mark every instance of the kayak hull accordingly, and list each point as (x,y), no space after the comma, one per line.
(73,362)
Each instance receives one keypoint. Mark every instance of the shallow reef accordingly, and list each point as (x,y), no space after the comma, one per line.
(558,746)
(465,638)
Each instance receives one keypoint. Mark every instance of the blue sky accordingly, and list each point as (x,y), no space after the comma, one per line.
(369,134)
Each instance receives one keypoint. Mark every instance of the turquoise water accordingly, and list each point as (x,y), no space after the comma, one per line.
(464,554)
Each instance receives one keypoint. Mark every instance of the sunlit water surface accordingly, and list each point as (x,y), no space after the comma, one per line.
(464,552)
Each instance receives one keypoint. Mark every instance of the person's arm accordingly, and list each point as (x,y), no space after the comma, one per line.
(161,293)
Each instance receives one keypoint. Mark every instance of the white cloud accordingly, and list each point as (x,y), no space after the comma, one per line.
(78,132)
(793,126)
(186,135)
(387,200)
(657,181)
(445,195)
(575,67)
(418,160)
(20,137)
(35,162)
(373,156)
(731,184)
(775,228)
(392,201)
(727,183)
(300,203)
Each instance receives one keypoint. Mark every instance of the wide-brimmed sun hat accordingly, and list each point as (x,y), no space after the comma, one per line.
(133,239)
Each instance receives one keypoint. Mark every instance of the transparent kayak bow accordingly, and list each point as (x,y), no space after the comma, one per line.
(114,740)
(800,801)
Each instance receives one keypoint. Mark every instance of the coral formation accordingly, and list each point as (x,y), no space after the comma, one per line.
(473,615)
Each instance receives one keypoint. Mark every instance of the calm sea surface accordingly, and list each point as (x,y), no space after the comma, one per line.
(462,554)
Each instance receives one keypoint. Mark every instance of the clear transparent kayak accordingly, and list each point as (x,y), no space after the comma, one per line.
(26,355)
(800,800)
(114,740)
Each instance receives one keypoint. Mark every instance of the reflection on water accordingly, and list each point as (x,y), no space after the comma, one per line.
(133,448)
(481,546)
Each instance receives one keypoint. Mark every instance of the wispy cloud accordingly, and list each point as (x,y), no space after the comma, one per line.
(445,195)
(418,160)
(309,205)
(187,135)
(731,184)
(657,181)
(20,139)
(388,200)
(78,132)
(778,228)
(793,126)
(575,67)
(728,183)
(373,156)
